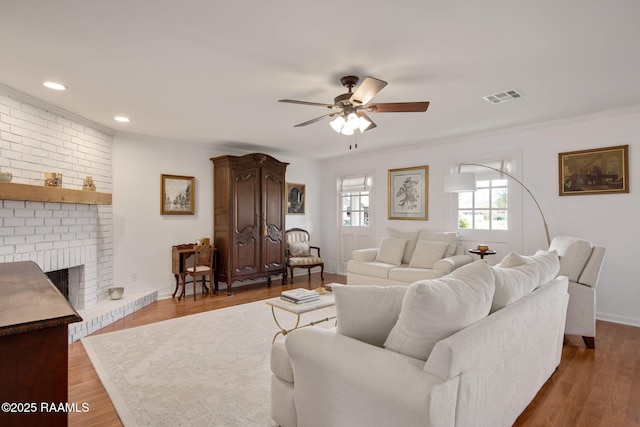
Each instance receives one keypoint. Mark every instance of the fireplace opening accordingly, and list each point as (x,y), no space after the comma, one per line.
(60,279)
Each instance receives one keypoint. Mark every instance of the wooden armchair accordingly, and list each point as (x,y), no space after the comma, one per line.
(298,252)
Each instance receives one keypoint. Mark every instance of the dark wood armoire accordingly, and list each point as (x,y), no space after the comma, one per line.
(249,208)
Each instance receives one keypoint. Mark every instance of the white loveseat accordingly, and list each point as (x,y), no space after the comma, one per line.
(406,257)
(460,367)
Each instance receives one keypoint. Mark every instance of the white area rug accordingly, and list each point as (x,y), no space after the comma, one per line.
(207,369)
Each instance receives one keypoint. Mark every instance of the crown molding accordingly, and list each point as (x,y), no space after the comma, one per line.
(31,100)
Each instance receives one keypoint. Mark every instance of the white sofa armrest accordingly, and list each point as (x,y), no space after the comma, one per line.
(365,255)
(447,265)
(340,381)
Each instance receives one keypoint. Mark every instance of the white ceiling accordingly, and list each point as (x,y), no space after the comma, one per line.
(211,71)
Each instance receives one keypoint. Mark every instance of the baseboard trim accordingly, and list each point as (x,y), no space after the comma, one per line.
(614,318)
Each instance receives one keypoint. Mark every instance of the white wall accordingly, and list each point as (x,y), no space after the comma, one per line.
(609,220)
(143,238)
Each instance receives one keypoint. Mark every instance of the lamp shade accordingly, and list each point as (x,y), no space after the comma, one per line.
(460,182)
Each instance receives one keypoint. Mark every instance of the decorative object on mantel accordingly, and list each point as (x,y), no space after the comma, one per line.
(408,193)
(52,179)
(177,195)
(88,184)
(596,171)
(6,176)
(115,293)
(466,181)
(295,199)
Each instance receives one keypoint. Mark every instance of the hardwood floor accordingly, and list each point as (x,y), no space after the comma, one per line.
(598,387)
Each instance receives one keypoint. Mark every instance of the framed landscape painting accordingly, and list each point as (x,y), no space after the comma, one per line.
(595,171)
(408,193)
(177,195)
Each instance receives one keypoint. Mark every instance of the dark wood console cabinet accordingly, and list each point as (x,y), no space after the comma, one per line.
(249,208)
(33,346)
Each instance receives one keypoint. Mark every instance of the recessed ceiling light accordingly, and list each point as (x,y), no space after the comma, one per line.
(54,85)
(122,119)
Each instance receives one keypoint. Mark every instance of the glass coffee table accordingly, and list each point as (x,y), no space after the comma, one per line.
(326,300)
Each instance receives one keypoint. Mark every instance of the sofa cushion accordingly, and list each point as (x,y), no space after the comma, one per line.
(451,237)
(391,250)
(435,309)
(372,269)
(367,313)
(546,264)
(409,274)
(512,283)
(299,249)
(574,254)
(411,237)
(427,253)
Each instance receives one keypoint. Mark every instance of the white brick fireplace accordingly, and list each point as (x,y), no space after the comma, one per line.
(36,138)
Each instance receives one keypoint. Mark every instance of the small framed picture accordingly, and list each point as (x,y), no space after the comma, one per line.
(295,199)
(177,195)
(595,171)
(409,193)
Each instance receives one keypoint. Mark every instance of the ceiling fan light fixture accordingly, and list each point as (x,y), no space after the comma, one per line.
(338,123)
(346,130)
(364,124)
(353,121)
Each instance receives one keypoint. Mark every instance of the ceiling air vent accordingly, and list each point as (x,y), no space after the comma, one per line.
(499,98)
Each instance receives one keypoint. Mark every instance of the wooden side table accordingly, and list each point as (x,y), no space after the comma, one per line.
(482,253)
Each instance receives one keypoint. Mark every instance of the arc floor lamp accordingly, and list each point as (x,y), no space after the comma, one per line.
(466,181)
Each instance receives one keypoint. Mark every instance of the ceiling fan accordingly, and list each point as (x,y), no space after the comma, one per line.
(350,109)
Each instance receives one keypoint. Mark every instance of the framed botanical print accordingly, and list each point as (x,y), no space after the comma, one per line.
(595,171)
(295,199)
(408,193)
(177,195)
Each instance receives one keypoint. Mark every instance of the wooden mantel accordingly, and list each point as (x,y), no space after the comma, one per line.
(38,193)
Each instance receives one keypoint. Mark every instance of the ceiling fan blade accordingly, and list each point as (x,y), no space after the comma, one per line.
(398,107)
(367,90)
(317,119)
(293,101)
(372,125)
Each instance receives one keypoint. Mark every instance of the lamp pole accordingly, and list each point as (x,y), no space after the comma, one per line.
(544,220)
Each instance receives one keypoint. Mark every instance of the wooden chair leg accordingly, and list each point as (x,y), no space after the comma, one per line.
(590,342)
(195,279)
(322,272)
(291,280)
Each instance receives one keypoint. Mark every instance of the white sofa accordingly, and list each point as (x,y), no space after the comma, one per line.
(406,257)
(370,372)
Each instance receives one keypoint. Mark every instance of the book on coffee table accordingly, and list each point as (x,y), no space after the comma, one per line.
(299,295)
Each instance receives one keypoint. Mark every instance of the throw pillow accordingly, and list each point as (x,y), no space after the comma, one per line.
(513,259)
(512,284)
(391,250)
(299,249)
(367,313)
(574,254)
(451,237)
(547,265)
(427,253)
(435,309)
(411,237)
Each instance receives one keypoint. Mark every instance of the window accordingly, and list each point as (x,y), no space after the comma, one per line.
(487,208)
(355,203)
